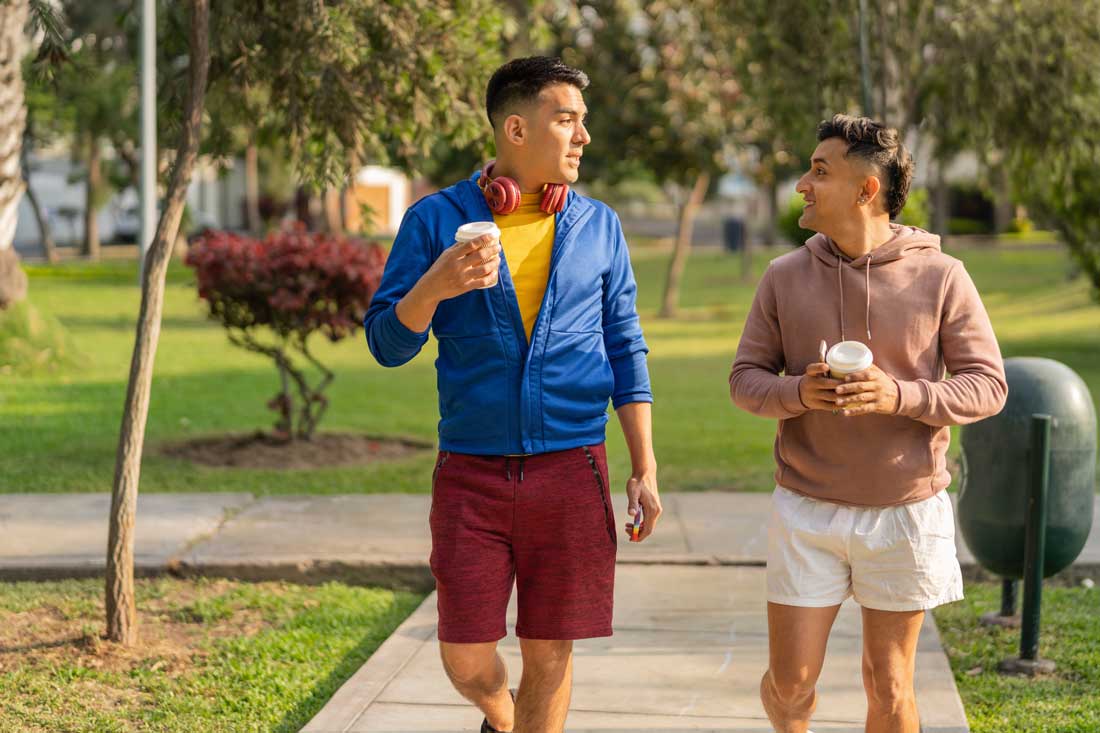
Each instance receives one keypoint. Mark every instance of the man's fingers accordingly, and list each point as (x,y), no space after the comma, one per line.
(855,387)
(856,399)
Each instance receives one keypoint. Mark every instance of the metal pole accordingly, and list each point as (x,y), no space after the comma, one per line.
(148,193)
(864,63)
(1008,597)
(1036,538)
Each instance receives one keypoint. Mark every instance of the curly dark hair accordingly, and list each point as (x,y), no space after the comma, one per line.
(521,80)
(881,147)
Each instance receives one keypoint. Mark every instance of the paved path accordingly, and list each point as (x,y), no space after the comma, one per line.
(371,538)
(689,647)
(690,640)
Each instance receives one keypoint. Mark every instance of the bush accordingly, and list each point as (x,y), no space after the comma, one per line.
(964,226)
(788,222)
(292,284)
(916,212)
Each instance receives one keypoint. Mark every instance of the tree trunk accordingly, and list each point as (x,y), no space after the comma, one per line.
(333,211)
(252,189)
(1003,208)
(91,199)
(44,232)
(13,119)
(121,611)
(669,303)
(941,200)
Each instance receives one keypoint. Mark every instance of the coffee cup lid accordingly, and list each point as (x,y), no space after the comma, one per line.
(476,229)
(849,356)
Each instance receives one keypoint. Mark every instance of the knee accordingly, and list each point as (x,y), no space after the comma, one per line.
(887,691)
(788,687)
(468,668)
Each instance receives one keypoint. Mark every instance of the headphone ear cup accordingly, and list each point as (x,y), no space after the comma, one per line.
(553,201)
(502,194)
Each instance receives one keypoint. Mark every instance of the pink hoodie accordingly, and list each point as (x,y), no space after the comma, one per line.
(920,314)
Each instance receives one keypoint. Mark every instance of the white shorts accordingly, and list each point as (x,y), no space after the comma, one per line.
(896,558)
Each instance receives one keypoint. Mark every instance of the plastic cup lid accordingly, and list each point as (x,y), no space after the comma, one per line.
(849,356)
(476,229)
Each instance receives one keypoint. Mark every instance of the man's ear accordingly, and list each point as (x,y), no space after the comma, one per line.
(870,189)
(514,129)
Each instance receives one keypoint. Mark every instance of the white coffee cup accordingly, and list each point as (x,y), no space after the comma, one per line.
(473,230)
(848,357)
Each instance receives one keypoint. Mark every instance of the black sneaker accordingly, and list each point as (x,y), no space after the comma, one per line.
(486,728)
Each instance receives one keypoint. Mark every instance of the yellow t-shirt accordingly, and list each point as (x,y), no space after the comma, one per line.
(527,237)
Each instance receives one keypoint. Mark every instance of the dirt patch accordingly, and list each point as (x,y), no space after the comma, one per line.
(262,450)
(170,641)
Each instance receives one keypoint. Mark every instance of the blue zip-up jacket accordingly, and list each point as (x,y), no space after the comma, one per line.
(497,394)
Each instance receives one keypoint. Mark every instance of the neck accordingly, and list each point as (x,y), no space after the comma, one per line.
(863,235)
(527,182)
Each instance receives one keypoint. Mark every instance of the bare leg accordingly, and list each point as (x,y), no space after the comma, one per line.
(543,698)
(797,638)
(889,662)
(478,673)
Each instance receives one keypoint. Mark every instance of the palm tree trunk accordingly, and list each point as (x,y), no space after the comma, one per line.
(13,119)
(91,199)
(121,611)
(684,231)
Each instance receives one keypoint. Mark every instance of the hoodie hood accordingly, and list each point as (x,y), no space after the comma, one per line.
(906,241)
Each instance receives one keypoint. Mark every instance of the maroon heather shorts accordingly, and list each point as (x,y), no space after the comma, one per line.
(543,522)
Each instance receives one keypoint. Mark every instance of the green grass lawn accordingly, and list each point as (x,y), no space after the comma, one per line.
(1064,702)
(59,432)
(215,656)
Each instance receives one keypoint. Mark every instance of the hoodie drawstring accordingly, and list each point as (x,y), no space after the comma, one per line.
(840,287)
(867,317)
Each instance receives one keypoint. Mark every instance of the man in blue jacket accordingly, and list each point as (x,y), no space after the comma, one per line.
(537,330)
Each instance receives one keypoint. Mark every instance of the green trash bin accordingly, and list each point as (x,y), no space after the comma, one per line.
(993,497)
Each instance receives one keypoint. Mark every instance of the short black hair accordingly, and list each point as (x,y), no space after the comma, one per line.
(521,80)
(879,146)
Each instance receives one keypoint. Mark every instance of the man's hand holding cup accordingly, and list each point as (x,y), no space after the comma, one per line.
(471,263)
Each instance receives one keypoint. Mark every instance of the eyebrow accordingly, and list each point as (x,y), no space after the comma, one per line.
(815,161)
(567,111)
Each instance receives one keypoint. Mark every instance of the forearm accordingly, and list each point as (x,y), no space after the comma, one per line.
(417,308)
(636,419)
(764,393)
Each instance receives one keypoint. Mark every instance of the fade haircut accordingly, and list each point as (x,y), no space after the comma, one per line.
(880,147)
(520,80)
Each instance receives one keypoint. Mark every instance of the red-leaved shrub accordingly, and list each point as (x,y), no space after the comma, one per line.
(290,285)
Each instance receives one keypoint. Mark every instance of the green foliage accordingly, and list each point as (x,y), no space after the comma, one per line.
(788,222)
(1025,84)
(664,93)
(916,212)
(368,80)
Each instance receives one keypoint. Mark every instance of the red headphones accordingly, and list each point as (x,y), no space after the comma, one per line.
(502,194)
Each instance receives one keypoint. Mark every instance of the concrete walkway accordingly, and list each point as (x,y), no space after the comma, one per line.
(690,639)
(689,647)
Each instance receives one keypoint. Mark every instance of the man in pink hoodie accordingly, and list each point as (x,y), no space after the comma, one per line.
(859,507)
